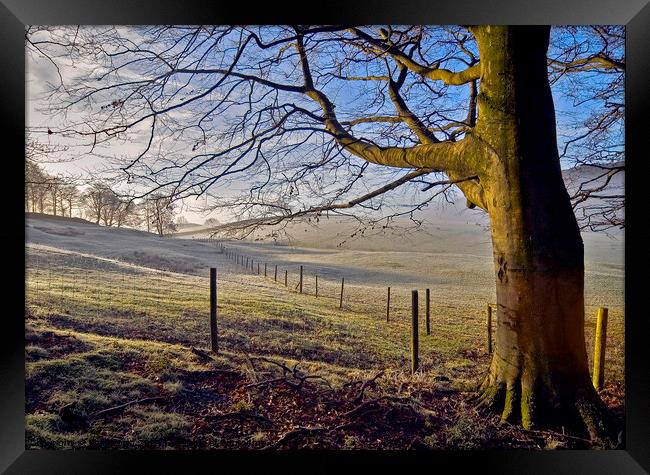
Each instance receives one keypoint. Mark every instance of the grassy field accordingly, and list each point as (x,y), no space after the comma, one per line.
(110,333)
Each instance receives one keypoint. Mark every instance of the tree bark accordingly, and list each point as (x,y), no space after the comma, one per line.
(539,370)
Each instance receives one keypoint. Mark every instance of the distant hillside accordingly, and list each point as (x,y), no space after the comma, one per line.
(447,227)
(61,219)
(188,225)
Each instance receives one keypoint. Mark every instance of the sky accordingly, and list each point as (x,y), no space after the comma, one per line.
(40,72)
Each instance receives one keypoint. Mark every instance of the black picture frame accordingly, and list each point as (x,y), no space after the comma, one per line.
(16,14)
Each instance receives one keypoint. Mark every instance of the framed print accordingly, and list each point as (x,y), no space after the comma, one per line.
(366,234)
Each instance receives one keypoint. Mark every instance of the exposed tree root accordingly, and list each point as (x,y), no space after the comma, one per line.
(519,403)
(604,430)
(491,397)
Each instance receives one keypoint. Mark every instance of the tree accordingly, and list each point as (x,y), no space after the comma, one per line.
(161,211)
(69,199)
(127,213)
(305,114)
(45,192)
(587,68)
(40,185)
(212,222)
(95,201)
(36,185)
(104,205)
(55,190)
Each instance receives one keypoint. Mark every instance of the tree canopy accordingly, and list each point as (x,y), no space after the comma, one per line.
(278,121)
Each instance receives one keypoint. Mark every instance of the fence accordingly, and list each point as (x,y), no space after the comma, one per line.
(600,333)
(127,290)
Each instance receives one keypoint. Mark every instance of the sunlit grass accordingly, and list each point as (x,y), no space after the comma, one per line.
(114,317)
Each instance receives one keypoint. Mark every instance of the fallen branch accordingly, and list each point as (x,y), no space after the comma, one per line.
(285,368)
(364,405)
(359,397)
(201,354)
(407,400)
(121,407)
(286,371)
(267,382)
(292,434)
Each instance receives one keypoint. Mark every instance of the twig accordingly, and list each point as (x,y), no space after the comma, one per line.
(285,368)
(557,434)
(214,372)
(253,368)
(267,382)
(121,407)
(404,400)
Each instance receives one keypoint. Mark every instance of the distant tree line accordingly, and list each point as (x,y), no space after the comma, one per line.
(98,202)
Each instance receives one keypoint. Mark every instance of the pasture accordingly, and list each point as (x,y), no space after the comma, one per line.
(117,334)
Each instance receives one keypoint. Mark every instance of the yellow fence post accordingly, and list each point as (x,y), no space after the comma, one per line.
(600,344)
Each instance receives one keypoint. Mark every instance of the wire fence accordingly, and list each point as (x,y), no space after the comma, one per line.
(119,298)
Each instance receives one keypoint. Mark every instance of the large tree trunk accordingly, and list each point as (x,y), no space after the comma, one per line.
(539,371)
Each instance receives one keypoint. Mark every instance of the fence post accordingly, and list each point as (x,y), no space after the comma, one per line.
(285,278)
(489,328)
(316,285)
(265,269)
(258,268)
(388,306)
(428,310)
(414,331)
(213,310)
(275,276)
(300,279)
(247,263)
(600,344)
(342,285)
